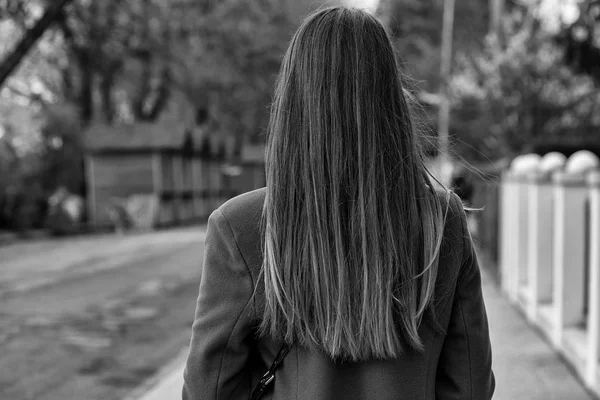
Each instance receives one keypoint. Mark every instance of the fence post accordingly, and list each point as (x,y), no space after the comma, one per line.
(591,373)
(506,239)
(541,228)
(568,257)
(521,238)
(520,169)
(570,262)
(538,211)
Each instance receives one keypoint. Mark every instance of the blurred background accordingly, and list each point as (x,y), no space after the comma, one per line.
(124,124)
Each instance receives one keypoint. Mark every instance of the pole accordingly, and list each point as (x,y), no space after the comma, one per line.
(496,11)
(445,71)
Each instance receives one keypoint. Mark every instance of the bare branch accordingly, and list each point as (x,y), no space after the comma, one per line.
(31,37)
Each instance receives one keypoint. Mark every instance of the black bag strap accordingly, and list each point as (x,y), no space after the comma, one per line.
(269,376)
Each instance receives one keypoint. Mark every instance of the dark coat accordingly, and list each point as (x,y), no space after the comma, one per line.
(226,360)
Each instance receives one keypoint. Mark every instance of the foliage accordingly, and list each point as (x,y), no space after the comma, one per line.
(61,150)
(17,164)
(37,156)
(235,56)
(135,60)
(415,26)
(516,94)
(131,56)
(64,212)
(581,39)
(533,84)
(37,78)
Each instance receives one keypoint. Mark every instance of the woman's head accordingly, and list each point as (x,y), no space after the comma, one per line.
(352,227)
(339,78)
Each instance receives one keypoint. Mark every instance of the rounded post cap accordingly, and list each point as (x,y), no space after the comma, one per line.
(582,162)
(525,165)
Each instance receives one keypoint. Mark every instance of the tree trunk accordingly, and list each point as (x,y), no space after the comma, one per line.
(83,59)
(86,95)
(144,88)
(106,89)
(145,56)
(162,96)
(31,37)
(110,68)
(106,94)
(496,12)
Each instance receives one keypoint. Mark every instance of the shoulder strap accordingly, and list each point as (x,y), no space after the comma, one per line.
(269,376)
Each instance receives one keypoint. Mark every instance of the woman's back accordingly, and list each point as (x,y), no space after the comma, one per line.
(227,359)
(349,255)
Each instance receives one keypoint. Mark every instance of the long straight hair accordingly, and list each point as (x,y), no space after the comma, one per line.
(352,224)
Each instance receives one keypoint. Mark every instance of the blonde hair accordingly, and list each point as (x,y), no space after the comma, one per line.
(352,225)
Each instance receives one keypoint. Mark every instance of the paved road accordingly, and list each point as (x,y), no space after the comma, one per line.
(526,368)
(31,265)
(61,292)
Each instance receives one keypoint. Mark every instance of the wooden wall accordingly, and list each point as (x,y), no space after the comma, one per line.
(116,176)
(188,187)
(192,188)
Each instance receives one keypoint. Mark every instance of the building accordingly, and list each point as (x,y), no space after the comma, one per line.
(177,170)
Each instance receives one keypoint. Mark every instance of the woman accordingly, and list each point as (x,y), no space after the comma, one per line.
(349,255)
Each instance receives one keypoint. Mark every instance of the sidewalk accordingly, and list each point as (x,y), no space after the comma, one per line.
(166,385)
(524,364)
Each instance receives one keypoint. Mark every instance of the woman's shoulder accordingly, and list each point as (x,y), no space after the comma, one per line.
(453,247)
(243,215)
(451,204)
(246,206)
(455,225)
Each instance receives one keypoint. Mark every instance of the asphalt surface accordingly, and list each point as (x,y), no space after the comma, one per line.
(55,296)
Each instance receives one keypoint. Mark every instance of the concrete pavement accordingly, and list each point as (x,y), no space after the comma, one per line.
(524,364)
(166,385)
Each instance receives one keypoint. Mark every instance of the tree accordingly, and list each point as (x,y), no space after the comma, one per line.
(235,58)
(514,95)
(415,28)
(61,150)
(139,60)
(103,39)
(32,35)
(220,55)
(581,40)
(508,93)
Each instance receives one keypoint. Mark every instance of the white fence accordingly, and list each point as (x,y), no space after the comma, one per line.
(550,252)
